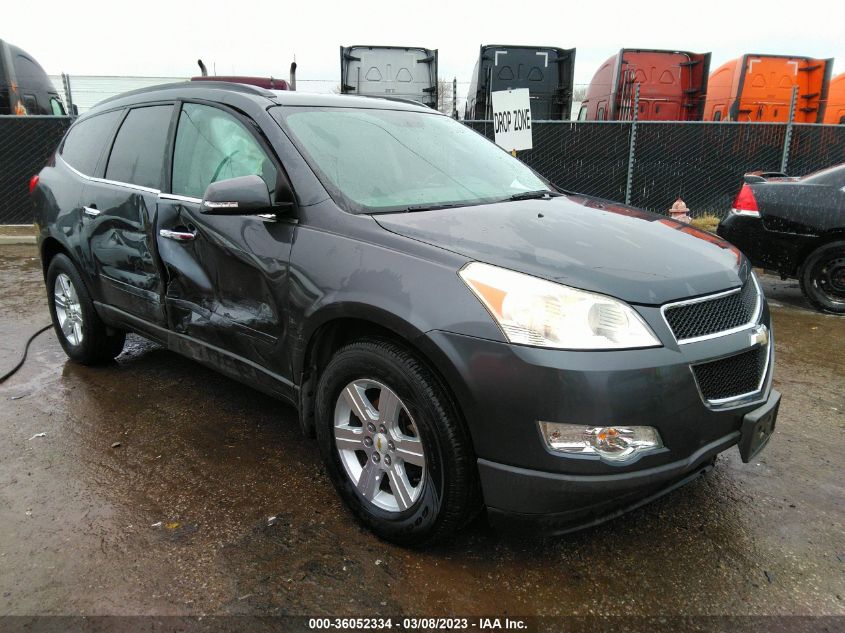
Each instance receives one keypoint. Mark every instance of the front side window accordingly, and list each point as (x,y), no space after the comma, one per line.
(213,145)
(85,141)
(137,156)
(388,160)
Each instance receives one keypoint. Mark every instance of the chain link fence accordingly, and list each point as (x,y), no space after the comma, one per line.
(589,157)
(26,144)
(816,146)
(702,163)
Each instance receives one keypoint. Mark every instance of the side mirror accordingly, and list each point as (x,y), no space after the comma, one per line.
(245,195)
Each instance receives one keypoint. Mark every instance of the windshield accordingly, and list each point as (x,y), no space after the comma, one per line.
(391,160)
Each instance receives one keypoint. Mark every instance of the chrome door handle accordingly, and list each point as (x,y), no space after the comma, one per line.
(91,212)
(179,236)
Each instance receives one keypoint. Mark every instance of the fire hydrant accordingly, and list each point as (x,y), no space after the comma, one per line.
(680,212)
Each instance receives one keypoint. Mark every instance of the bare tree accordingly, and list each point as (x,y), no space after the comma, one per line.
(444,95)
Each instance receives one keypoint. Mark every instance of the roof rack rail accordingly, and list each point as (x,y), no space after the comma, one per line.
(220,85)
(397,99)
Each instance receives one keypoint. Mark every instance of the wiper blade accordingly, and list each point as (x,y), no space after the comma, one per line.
(428,207)
(535,195)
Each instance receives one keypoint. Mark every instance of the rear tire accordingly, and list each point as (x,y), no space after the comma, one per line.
(440,491)
(823,278)
(81,332)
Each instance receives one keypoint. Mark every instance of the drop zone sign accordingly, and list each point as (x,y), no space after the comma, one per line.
(512,119)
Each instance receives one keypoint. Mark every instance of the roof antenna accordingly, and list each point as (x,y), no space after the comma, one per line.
(203,69)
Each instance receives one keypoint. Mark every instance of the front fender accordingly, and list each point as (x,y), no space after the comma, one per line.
(336,276)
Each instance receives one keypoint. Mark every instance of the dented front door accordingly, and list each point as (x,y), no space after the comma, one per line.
(227,279)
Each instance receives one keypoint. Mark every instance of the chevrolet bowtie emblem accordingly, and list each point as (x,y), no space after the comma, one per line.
(759,336)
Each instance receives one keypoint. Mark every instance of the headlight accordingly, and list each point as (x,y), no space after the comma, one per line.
(612,443)
(533,311)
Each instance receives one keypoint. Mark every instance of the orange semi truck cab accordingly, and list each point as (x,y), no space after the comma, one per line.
(834,111)
(673,86)
(759,88)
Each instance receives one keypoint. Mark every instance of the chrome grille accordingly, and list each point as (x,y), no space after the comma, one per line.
(733,376)
(712,315)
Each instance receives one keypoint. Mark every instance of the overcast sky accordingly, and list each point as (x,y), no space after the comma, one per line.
(261,37)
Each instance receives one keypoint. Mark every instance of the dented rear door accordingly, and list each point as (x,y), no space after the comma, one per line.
(119,215)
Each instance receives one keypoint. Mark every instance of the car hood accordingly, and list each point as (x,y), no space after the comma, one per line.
(585,243)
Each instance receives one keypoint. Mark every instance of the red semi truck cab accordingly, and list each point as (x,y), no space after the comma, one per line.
(673,86)
(759,88)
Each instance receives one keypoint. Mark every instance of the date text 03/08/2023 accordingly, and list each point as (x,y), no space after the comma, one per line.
(411,624)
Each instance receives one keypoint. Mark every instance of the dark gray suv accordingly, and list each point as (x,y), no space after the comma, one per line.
(456,331)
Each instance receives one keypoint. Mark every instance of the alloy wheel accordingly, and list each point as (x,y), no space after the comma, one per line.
(379,445)
(68,309)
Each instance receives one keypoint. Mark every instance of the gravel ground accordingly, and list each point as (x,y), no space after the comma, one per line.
(152,493)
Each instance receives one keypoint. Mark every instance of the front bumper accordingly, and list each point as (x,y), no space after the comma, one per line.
(504,390)
(518,498)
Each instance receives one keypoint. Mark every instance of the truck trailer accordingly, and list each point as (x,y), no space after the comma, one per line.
(403,72)
(834,111)
(760,88)
(546,71)
(672,84)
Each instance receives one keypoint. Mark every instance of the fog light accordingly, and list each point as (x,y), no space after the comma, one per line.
(612,443)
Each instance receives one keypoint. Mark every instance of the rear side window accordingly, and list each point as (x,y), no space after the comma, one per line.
(213,145)
(137,155)
(85,142)
(830,176)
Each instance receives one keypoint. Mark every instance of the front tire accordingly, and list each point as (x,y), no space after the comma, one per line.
(81,332)
(823,278)
(394,445)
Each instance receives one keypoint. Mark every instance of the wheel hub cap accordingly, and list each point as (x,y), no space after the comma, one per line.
(379,445)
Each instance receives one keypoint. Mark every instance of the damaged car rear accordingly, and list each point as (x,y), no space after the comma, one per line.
(456,332)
